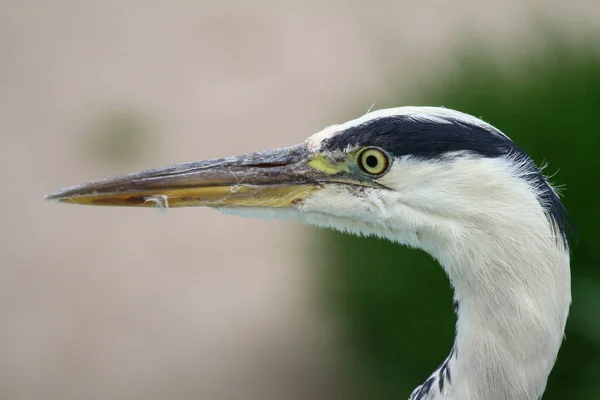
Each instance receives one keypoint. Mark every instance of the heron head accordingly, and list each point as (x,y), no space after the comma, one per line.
(405,174)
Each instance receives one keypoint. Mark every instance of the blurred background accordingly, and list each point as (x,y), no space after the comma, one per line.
(100,303)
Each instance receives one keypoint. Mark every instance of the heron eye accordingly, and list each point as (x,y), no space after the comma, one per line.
(373,161)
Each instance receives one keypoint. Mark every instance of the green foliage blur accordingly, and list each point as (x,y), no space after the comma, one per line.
(395,304)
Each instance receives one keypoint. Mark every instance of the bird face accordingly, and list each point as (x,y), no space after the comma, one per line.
(281,183)
(281,178)
(397,173)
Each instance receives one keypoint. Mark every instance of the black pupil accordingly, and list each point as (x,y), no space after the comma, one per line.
(372,161)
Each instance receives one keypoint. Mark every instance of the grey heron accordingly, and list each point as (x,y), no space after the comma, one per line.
(427,177)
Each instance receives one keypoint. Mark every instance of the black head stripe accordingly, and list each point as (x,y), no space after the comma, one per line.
(406,135)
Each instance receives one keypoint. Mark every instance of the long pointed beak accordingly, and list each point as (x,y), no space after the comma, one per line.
(276,178)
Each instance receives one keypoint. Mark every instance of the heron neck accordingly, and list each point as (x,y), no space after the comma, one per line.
(512,309)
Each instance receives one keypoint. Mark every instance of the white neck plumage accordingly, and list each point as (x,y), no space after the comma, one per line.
(506,260)
(512,301)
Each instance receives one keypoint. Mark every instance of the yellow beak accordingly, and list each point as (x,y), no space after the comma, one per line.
(276,178)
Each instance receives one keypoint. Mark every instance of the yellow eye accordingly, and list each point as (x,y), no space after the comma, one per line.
(373,161)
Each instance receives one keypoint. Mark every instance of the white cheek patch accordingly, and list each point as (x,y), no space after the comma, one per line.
(335,200)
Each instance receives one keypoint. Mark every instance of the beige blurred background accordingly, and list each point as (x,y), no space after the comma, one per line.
(100,303)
